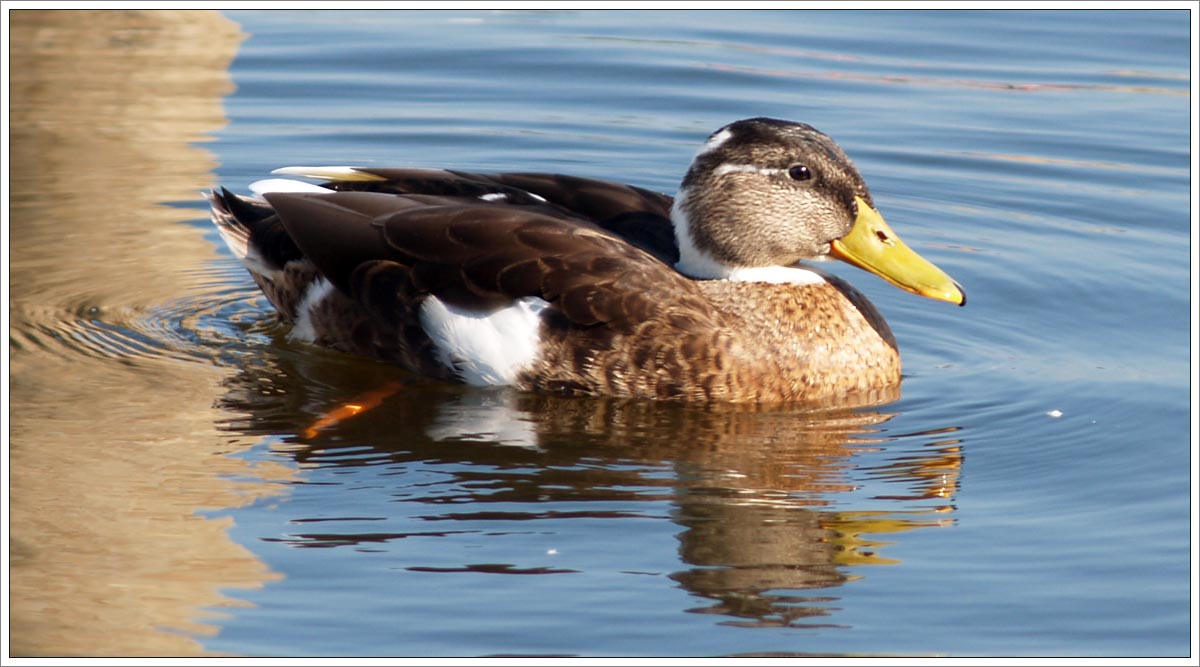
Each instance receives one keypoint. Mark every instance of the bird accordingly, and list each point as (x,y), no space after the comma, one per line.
(554,283)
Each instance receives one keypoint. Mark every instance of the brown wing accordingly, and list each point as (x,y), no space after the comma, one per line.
(641,217)
(388,251)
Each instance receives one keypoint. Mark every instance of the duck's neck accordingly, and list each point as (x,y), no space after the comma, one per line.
(700,264)
(693,262)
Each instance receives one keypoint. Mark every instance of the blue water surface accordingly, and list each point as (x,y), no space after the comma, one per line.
(1026,494)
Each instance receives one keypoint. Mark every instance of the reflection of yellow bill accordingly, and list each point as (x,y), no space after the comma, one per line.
(873,246)
(847,528)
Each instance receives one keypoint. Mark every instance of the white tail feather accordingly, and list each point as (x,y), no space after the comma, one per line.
(270,185)
(237,237)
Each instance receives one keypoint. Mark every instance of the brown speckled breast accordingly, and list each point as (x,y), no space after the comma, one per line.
(769,343)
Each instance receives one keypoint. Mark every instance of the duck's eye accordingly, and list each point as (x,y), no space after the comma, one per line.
(799,172)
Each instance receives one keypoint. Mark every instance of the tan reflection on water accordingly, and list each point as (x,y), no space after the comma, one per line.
(111,458)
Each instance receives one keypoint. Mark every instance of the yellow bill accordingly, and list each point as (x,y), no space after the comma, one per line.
(873,246)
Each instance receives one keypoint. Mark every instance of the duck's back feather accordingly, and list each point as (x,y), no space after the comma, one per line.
(640,216)
(387,251)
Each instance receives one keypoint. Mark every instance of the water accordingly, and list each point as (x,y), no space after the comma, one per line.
(1027,493)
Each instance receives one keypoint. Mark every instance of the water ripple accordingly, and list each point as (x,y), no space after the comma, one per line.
(217,322)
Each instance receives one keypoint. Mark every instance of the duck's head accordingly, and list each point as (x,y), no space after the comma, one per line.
(764,194)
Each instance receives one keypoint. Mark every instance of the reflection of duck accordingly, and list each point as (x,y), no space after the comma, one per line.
(581,286)
(772,506)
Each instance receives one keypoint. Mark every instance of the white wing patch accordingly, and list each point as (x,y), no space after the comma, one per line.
(485,347)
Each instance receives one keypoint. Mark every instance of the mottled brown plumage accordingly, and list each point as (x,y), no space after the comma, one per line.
(621,318)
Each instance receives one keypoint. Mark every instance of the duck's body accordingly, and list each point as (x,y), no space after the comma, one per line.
(557,283)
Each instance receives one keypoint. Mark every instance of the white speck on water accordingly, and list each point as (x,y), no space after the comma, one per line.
(1054,414)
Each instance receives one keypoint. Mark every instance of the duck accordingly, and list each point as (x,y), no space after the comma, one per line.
(553,283)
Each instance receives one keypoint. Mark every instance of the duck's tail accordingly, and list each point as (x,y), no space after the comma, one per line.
(249,226)
(255,235)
